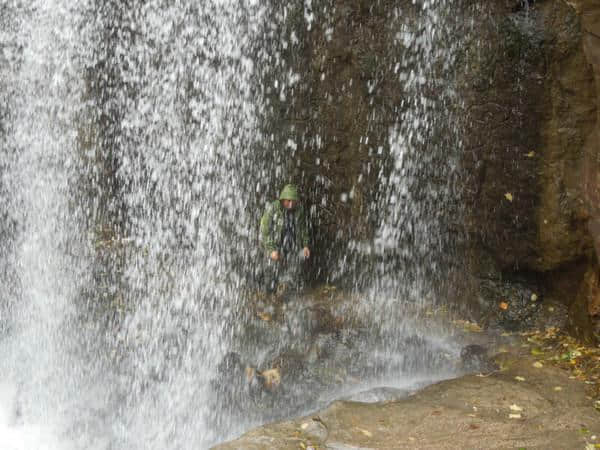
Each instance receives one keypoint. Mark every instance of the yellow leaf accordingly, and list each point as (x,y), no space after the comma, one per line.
(365,432)
(515,407)
(503,305)
(304,426)
(514,416)
(531,154)
(534,297)
(557,388)
(518,378)
(538,365)
(508,196)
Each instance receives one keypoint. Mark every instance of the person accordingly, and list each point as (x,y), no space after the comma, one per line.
(284,237)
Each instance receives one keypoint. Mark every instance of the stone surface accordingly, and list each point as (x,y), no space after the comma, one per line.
(531,152)
(590,17)
(546,410)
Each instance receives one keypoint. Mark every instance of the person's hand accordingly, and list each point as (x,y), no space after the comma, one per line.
(275,255)
(306,252)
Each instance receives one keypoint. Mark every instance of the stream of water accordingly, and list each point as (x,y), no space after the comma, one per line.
(133,167)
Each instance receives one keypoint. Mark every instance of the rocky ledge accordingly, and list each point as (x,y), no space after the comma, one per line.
(525,404)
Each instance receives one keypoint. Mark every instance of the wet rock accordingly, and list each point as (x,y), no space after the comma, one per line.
(584,310)
(512,306)
(552,314)
(474,358)
(315,428)
(378,394)
(479,407)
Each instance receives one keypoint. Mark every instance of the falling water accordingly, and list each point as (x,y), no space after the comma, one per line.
(134,155)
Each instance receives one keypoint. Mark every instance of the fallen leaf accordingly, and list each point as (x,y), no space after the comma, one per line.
(365,432)
(304,426)
(551,308)
(557,388)
(518,378)
(531,154)
(508,196)
(473,426)
(538,365)
(534,297)
(410,438)
(503,305)
(514,416)
(536,352)
(515,407)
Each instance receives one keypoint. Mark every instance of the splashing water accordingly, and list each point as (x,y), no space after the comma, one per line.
(130,133)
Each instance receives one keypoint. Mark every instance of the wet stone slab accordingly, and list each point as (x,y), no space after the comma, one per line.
(519,406)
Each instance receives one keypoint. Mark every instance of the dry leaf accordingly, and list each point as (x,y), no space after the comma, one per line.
(557,388)
(538,365)
(518,378)
(503,305)
(304,426)
(514,416)
(531,154)
(534,297)
(515,407)
(508,196)
(365,432)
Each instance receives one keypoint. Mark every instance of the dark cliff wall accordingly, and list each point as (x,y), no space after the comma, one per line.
(527,77)
(531,106)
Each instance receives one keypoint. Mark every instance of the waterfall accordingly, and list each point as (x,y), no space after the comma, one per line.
(136,154)
(127,127)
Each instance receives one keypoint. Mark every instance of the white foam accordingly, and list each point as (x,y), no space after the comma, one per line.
(19,436)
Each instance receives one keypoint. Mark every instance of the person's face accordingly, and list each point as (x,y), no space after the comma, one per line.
(289,204)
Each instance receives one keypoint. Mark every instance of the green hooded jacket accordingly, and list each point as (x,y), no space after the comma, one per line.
(271,226)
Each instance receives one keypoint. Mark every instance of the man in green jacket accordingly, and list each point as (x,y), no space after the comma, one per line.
(284,237)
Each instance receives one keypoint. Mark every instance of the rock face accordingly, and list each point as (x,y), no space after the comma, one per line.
(589,11)
(531,102)
(527,79)
(544,410)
